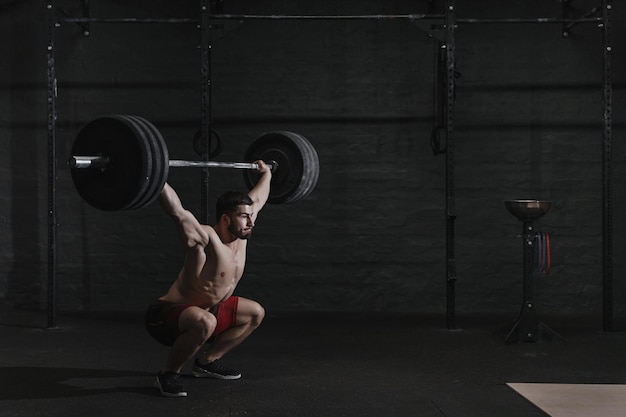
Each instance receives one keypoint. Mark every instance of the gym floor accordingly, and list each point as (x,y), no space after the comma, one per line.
(303,365)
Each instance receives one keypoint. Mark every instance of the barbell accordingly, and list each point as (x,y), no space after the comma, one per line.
(121,162)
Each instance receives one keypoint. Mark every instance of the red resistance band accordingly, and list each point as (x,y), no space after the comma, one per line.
(542,253)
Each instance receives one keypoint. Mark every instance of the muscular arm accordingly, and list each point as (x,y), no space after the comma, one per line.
(192,232)
(261,191)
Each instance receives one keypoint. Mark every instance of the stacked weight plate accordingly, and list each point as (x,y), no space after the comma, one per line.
(137,167)
(298,165)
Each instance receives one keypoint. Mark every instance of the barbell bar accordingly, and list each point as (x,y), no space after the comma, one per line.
(121,162)
(100,162)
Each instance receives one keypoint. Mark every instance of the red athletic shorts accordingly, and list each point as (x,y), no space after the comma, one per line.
(161,319)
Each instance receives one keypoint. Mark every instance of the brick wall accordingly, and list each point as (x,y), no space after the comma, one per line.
(372,234)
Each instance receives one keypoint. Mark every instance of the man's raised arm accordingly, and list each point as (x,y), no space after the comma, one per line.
(191,230)
(261,191)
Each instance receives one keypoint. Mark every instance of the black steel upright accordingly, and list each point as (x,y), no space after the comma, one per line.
(450,50)
(205,107)
(52,170)
(527,324)
(607,186)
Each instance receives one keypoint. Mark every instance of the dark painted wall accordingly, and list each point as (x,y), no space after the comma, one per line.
(371,237)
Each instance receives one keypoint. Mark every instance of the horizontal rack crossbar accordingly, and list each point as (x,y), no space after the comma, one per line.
(532,20)
(330,17)
(127,20)
(248,17)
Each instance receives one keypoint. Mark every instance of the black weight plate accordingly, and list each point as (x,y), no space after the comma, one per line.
(143,138)
(310,173)
(140,130)
(280,148)
(119,184)
(160,161)
(297,165)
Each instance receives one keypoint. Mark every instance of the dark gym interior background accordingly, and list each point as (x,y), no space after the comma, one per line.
(372,235)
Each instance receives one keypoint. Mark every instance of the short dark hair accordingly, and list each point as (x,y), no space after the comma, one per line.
(227,203)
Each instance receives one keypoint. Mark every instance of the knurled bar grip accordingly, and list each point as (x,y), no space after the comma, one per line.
(214,164)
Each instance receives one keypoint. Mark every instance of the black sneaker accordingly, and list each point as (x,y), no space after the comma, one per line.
(169,385)
(213,370)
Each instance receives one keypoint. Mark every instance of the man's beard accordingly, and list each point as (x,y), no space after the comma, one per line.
(239,233)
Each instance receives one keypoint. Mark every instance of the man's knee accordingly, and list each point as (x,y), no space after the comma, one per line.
(258,314)
(198,321)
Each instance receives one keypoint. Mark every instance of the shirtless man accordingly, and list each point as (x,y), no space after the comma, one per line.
(200,305)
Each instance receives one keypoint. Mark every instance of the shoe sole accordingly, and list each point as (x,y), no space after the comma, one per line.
(157,385)
(205,374)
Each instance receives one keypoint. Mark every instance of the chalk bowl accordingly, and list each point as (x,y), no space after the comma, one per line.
(528,210)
